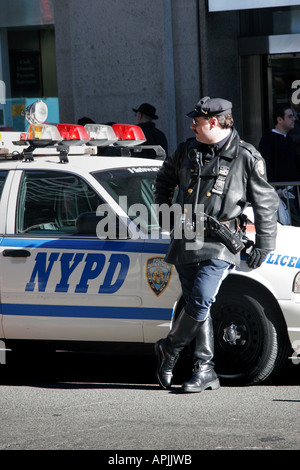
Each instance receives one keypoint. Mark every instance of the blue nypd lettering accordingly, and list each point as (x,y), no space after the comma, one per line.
(283,260)
(91,264)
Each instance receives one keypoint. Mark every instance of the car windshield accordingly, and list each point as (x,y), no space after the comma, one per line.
(137,185)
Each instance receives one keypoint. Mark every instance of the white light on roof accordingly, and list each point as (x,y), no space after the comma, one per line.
(43,132)
(100,134)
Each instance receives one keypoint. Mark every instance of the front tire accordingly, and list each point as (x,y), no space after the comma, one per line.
(251,341)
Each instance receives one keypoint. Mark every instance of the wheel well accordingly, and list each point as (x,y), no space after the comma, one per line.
(242,283)
(260,292)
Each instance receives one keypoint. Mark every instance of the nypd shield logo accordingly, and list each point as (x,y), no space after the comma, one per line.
(158,274)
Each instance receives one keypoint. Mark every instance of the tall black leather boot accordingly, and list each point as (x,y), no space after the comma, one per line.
(168,349)
(204,376)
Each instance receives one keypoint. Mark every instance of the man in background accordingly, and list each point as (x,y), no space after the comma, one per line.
(294,100)
(145,115)
(278,149)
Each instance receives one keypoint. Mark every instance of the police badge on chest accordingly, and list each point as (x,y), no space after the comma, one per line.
(220,181)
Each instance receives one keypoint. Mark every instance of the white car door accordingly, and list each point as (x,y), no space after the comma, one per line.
(56,283)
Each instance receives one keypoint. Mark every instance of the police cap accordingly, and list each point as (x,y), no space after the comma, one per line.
(211,107)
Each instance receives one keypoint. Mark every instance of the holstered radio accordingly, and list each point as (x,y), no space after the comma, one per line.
(230,240)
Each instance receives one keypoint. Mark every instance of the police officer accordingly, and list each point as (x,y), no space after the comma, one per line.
(223,174)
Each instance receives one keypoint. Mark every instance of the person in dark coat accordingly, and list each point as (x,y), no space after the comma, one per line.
(282,160)
(145,114)
(278,149)
(219,174)
(294,100)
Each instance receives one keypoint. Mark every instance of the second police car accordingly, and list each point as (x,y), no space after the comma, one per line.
(66,282)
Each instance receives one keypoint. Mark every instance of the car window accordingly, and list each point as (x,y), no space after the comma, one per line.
(3,175)
(51,201)
(137,184)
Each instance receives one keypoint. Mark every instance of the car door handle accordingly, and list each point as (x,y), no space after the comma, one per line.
(16,253)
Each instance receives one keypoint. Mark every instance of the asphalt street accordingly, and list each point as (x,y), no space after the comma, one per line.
(113,403)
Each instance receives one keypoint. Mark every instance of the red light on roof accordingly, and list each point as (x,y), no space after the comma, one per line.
(129,132)
(72,132)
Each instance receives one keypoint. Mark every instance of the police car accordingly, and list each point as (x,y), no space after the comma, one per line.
(82,265)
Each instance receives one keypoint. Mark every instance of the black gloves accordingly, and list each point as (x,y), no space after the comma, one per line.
(256,257)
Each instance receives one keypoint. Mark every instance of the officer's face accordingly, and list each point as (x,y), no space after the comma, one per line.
(203,129)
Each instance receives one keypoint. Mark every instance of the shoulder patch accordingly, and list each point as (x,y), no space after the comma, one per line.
(261,167)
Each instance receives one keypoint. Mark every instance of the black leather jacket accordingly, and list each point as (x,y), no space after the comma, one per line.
(244,183)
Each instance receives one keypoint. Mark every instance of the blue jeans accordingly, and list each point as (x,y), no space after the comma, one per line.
(200,284)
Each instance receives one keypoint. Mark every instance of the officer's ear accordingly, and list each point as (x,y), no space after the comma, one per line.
(213,122)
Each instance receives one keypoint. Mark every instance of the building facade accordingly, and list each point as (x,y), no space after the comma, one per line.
(102,58)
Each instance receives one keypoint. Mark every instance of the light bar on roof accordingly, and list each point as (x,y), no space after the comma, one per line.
(43,131)
(129,134)
(100,134)
(73,134)
(42,135)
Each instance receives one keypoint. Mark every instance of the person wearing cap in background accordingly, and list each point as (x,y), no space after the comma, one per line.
(223,174)
(145,115)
